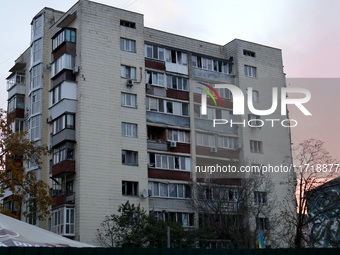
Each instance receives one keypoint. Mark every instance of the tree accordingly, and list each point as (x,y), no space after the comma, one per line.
(225,210)
(27,193)
(313,166)
(133,227)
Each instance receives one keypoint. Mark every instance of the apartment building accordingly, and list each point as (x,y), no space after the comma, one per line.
(120,107)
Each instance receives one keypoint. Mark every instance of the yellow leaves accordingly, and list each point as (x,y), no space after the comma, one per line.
(15,149)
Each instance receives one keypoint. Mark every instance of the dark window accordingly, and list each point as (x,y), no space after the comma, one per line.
(129,157)
(249,53)
(262,223)
(129,188)
(126,23)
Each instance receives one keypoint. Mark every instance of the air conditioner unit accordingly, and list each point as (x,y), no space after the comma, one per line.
(49,147)
(238,146)
(76,69)
(147,86)
(173,144)
(213,149)
(48,66)
(129,83)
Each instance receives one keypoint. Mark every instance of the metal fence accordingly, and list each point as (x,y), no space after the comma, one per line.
(163,251)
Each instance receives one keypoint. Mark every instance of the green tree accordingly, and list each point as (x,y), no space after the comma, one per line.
(27,193)
(133,227)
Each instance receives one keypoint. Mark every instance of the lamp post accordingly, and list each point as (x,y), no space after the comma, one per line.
(168,230)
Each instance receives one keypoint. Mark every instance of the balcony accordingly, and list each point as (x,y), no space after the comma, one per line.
(63,198)
(64,135)
(16,84)
(64,167)
(167,119)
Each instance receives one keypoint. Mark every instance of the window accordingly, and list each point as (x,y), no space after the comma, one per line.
(206,140)
(166,106)
(66,61)
(172,162)
(250,71)
(129,100)
(63,152)
(63,221)
(211,64)
(155,78)
(129,157)
(155,52)
(249,53)
(55,95)
(176,57)
(37,26)
(65,121)
(35,102)
(262,223)
(36,77)
(178,136)
(227,142)
(257,169)
(179,83)
(17,125)
(127,45)
(260,197)
(254,120)
(185,219)
(126,23)
(66,35)
(36,51)
(35,127)
(129,188)
(255,96)
(128,72)
(16,102)
(129,129)
(160,189)
(256,146)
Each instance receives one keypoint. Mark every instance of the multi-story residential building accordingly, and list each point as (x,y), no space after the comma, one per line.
(119,105)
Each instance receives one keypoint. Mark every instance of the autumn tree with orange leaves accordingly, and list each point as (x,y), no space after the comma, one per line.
(22,189)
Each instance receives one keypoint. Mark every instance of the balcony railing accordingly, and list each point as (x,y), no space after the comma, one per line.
(63,198)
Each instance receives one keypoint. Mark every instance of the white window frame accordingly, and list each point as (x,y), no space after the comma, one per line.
(36,77)
(156,52)
(63,221)
(182,83)
(128,72)
(227,142)
(167,161)
(181,136)
(169,107)
(205,140)
(250,71)
(129,129)
(127,45)
(129,100)
(65,61)
(35,125)
(256,146)
(157,79)
(180,190)
(35,102)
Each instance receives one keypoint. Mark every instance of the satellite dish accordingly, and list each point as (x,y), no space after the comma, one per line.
(144,193)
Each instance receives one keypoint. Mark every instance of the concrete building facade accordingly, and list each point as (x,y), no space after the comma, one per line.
(119,105)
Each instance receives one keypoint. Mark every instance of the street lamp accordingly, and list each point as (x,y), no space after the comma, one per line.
(168,229)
